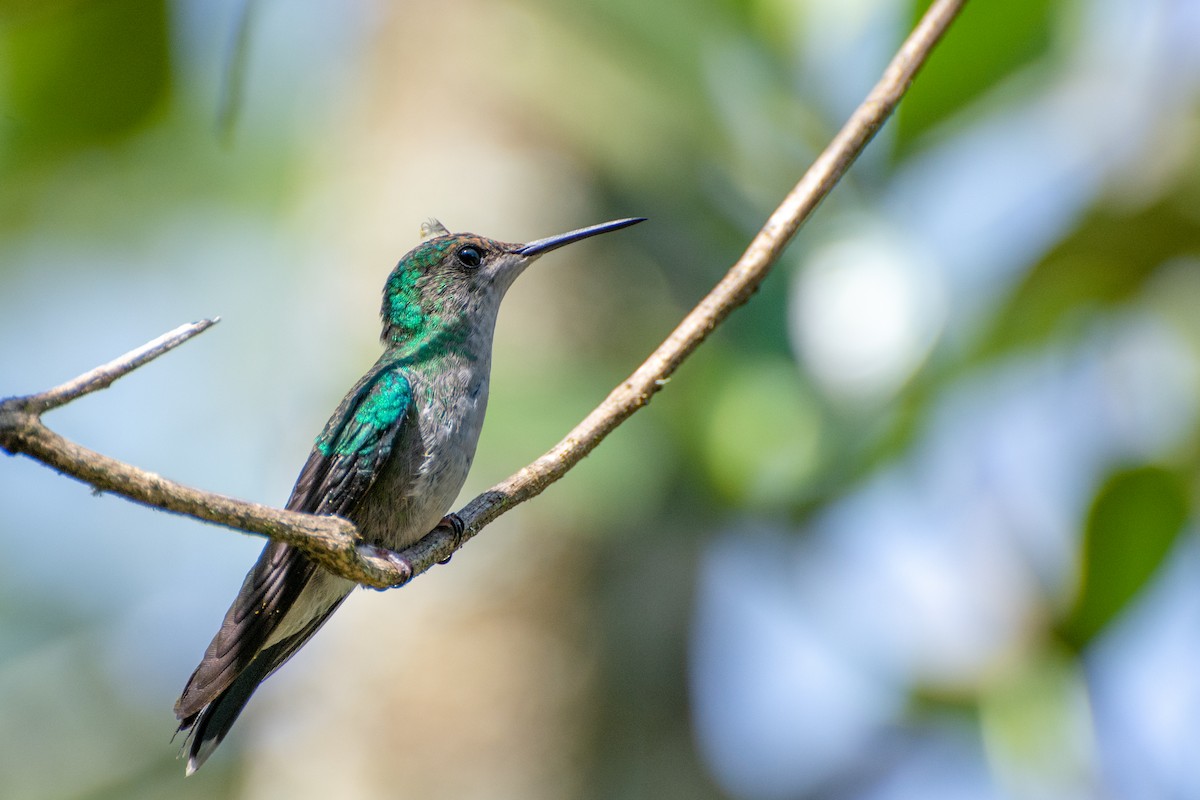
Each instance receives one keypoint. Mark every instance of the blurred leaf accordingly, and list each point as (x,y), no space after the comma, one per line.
(987,42)
(1133,522)
(13,10)
(1105,261)
(76,76)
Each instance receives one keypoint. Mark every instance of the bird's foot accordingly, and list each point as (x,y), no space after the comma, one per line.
(397,562)
(453,522)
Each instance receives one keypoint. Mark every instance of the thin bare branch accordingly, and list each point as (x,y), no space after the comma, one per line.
(334,542)
(103,376)
(742,280)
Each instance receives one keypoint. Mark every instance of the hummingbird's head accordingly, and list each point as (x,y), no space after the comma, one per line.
(451,283)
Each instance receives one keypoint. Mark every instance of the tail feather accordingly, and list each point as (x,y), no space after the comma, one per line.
(207,728)
(267,595)
(241,655)
(208,719)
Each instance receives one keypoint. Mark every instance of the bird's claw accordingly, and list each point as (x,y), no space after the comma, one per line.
(453,522)
(394,560)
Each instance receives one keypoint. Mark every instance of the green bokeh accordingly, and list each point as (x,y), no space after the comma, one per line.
(82,74)
(991,41)
(1133,523)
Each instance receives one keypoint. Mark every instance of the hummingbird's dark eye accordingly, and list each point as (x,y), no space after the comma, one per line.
(470,256)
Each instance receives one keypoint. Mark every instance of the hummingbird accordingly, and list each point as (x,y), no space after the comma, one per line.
(391,459)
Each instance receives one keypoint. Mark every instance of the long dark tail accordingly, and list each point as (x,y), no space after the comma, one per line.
(240,657)
(208,726)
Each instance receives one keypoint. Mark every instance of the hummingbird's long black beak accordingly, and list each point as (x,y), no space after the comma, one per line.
(554,242)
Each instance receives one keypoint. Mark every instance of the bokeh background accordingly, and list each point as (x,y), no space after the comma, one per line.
(918,522)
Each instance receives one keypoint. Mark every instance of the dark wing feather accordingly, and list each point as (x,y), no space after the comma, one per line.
(269,590)
(207,726)
(348,456)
